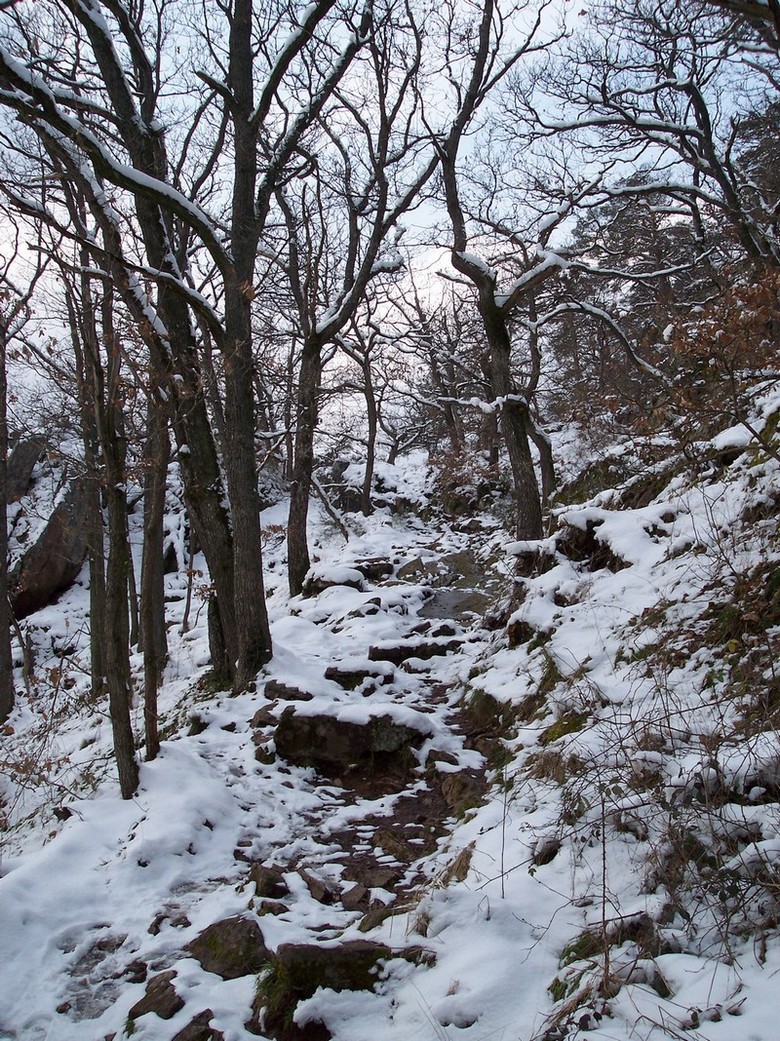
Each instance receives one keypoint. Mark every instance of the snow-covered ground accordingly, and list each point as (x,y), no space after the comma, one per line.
(637,799)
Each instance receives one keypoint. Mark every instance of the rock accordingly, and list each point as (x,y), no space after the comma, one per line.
(416,568)
(319,889)
(356,898)
(199,1029)
(456,603)
(52,564)
(388,840)
(352,678)
(462,791)
(584,545)
(297,970)
(284,692)
(21,463)
(160,998)
(329,743)
(320,579)
(230,948)
(268,881)
(374,569)
(401,652)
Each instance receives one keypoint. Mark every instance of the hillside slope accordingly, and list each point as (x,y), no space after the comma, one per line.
(507,790)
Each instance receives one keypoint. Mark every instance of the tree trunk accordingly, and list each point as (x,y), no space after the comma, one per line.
(513,418)
(6,660)
(153,636)
(298,561)
(372,418)
(97,584)
(253,634)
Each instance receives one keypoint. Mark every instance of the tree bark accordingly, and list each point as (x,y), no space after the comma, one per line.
(153,636)
(298,562)
(6,660)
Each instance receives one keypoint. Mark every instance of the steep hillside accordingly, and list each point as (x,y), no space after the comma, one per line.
(485,789)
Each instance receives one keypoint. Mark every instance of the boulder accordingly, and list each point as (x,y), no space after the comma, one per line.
(321,578)
(231,948)
(350,678)
(583,544)
(269,881)
(329,743)
(274,689)
(52,564)
(463,790)
(397,653)
(298,970)
(21,463)
(199,1029)
(160,998)
(374,569)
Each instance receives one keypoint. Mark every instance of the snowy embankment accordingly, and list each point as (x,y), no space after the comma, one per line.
(614,878)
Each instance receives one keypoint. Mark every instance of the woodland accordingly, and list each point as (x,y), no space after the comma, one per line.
(432,345)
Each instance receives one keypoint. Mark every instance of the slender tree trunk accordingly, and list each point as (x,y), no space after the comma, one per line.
(298,561)
(109,421)
(373,423)
(6,660)
(97,584)
(153,636)
(513,418)
(253,634)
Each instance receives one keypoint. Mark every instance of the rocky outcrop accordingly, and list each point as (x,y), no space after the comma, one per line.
(160,998)
(21,463)
(200,1029)
(231,948)
(53,562)
(332,744)
(298,970)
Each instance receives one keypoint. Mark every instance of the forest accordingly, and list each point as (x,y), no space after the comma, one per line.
(447,331)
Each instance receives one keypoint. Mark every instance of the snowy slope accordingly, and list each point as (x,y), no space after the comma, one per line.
(636,797)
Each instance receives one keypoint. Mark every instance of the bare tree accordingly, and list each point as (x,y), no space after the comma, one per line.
(101,119)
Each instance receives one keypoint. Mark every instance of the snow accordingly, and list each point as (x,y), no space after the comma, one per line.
(628,699)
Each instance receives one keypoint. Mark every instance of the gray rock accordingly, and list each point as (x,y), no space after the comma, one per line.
(160,998)
(21,463)
(231,948)
(51,565)
(199,1029)
(326,742)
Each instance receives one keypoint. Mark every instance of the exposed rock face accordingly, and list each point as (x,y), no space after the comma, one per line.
(21,463)
(269,881)
(402,651)
(297,970)
(329,743)
(160,998)
(352,678)
(317,581)
(200,1029)
(231,948)
(374,569)
(584,545)
(52,564)
(285,692)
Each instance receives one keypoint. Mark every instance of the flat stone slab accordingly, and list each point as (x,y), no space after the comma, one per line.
(329,741)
